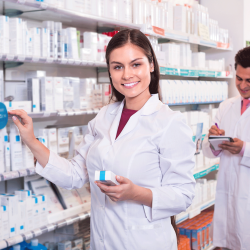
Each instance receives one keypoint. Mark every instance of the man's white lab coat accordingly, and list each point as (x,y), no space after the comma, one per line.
(232,204)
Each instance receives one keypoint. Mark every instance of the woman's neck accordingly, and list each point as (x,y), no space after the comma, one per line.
(136,103)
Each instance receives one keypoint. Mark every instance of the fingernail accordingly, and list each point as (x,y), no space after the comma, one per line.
(14,118)
(118,177)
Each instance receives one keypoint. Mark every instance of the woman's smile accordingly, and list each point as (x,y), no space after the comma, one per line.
(130,85)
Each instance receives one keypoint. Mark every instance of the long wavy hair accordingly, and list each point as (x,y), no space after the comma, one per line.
(137,38)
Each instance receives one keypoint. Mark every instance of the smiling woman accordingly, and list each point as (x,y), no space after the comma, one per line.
(143,142)
(132,66)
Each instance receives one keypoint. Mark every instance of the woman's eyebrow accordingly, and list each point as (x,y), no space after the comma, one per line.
(114,62)
(135,60)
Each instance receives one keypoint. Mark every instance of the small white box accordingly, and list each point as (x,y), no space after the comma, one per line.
(106,177)
(11,202)
(58,93)
(46,94)
(25,105)
(4,211)
(34,93)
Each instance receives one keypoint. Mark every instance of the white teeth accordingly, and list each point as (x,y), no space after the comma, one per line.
(130,84)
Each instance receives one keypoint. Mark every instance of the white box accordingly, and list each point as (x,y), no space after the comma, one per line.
(4,214)
(44,42)
(11,202)
(106,177)
(16,148)
(43,210)
(58,93)
(35,74)
(36,200)
(34,93)
(90,42)
(28,157)
(46,94)
(50,136)
(180,18)
(25,105)
(73,46)
(4,31)
(36,42)
(25,196)
(63,141)
(16,36)
(21,217)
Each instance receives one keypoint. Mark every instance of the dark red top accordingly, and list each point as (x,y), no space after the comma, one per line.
(126,114)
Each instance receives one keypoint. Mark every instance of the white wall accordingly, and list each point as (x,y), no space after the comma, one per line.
(231,15)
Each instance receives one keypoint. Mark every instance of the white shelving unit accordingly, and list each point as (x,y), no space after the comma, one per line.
(58,220)
(17,174)
(77,19)
(194,212)
(60,113)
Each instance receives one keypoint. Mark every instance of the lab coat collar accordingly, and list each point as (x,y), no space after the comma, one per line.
(151,106)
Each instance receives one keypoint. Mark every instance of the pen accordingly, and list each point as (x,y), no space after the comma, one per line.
(217,126)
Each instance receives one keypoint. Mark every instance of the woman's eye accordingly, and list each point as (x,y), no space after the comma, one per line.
(136,65)
(117,67)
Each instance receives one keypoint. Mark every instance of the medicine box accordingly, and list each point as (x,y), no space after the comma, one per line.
(106,177)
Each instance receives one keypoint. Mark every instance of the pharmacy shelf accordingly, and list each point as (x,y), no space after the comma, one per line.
(205,171)
(64,218)
(29,59)
(194,212)
(17,174)
(194,72)
(61,113)
(66,16)
(191,103)
(76,19)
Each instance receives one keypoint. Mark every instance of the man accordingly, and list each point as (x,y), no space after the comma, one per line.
(232,204)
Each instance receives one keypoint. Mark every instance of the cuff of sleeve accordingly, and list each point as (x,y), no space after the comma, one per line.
(149,211)
(42,171)
(243,149)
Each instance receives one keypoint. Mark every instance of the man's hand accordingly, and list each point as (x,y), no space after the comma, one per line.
(215,131)
(233,147)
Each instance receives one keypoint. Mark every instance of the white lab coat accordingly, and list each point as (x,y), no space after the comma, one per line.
(232,204)
(155,150)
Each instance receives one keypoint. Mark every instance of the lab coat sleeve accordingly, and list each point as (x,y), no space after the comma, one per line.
(207,151)
(69,174)
(176,152)
(246,157)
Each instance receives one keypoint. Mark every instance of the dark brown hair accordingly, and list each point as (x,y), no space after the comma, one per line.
(137,38)
(242,58)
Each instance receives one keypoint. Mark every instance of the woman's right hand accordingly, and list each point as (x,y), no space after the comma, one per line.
(215,131)
(25,126)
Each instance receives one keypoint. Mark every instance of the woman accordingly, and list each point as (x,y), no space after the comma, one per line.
(152,156)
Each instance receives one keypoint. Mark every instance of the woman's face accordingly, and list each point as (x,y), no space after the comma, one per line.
(130,70)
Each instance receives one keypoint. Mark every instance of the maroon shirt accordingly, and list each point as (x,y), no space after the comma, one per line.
(126,114)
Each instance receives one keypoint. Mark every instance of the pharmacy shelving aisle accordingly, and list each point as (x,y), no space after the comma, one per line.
(84,64)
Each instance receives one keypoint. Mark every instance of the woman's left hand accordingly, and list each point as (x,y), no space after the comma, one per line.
(122,192)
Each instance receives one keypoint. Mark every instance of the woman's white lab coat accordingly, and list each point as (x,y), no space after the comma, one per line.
(232,204)
(154,150)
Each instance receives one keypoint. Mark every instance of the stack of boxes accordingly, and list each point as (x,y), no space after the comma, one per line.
(198,230)
(21,212)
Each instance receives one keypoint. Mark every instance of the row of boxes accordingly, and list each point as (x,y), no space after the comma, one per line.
(198,231)
(21,212)
(184,91)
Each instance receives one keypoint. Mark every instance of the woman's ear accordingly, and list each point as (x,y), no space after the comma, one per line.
(152,67)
